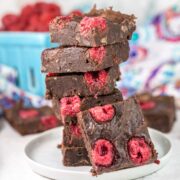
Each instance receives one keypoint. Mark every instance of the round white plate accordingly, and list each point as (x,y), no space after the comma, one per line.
(45,159)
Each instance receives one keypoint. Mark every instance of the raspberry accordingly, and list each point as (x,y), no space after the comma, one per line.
(10,19)
(147,105)
(96,79)
(139,151)
(87,24)
(28,114)
(49,121)
(70,106)
(75,13)
(17,27)
(102,153)
(27,11)
(102,113)
(63,20)
(75,130)
(52,8)
(97,54)
(52,74)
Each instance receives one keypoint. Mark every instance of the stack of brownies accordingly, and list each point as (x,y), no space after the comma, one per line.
(100,129)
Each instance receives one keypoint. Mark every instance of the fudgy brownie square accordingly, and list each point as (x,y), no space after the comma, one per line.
(159,111)
(31,120)
(64,106)
(83,59)
(82,84)
(116,136)
(75,156)
(68,107)
(99,27)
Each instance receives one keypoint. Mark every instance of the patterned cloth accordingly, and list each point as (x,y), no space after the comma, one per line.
(154,62)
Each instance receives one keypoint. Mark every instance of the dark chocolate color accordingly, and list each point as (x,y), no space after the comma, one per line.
(89,102)
(71,140)
(77,59)
(75,84)
(77,156)
(28,126)
(119,27)
(128,122)
(162,115)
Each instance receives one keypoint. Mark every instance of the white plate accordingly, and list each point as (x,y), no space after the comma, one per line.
(44,158)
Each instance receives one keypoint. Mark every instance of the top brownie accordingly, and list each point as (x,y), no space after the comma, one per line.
(97,28)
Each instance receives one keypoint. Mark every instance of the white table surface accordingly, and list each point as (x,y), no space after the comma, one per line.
(13,165)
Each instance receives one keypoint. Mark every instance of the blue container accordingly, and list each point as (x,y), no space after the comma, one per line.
(22,51)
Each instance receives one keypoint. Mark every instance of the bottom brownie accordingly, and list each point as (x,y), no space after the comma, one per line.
(159,111)
(116,136)
(31,120)
(76,156)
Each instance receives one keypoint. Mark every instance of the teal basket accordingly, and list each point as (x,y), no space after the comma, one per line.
(22,51)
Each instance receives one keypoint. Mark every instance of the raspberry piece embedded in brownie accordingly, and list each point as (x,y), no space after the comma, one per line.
(139,151)
(87,24)
(69,106)
(123,142)
(28,114)
(147,105)
(49,121)
(97,54)
(103,153)
(96,79)
(102,113)
(75,130)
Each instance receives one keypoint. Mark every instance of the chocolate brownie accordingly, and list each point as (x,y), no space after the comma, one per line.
(82,59)
(77,156)
(159,111)
(99,27)
(67,108)
(116,136)
(85,102)
(72,135)
(31,120)
(82,84)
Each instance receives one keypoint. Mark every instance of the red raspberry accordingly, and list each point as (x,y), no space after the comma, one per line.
(52,74)
(34,20)
(87,24)
(70,106)
(28,114)
(63,20)
(102,153)
(97,54)
(102,113)
(10,19)
(75,130)
(52,8)
(39,7)
(27,11)
(147,105)
(17,27)
(31,28)
(96,79)
(75,13)
(49,121)
(139,151)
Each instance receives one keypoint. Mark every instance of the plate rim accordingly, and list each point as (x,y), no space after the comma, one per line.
(34,164)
